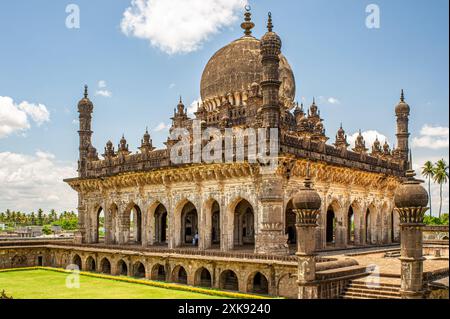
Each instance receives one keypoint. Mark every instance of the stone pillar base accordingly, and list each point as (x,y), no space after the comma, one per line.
(271,242)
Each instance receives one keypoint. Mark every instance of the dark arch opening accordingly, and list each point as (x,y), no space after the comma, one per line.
(331,226)
(76,260)
(244,224)
(229,281)
(123,268)
(139,270)
(136,224)
(159,273)
(260,285)
(350,226)
(368,227)
(90,264)
(189,224)
(180,275)
(203,278)
(105,266)
(161,224)
(291,220)
(215,223)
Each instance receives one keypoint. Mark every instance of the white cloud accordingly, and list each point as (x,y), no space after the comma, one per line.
(333,100)
(193,107)
(172,85)
(161,127)
(15,118)
(38,112)
(104,93)
(432,137)
(101,84)
(35,181)
(102,89)
(369,137)
(179,26)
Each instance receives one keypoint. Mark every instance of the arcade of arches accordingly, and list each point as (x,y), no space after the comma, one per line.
(233,225)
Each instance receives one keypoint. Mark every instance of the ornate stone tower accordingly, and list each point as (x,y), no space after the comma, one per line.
(85,108)
(270,84)
(411,201)
(402,112)
(271,239)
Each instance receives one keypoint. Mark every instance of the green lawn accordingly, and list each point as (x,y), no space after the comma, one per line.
(45,284)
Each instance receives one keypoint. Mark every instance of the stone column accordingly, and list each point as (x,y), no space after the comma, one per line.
(411,200)
(271,238)
(411,254)
(306,227)
(307,204)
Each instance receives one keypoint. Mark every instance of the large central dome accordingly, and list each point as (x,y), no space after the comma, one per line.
(235,67)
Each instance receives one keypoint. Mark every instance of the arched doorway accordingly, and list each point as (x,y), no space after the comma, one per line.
(105,266)
(76,260)
(229,281)
(244,224)
(258,284)
(136,225)
(161,224)
(189,224)
(159,272)
(90,264)
(203,278)
(139,270)
(350,226)
(100,226)
(180,275)
(368,226)
(290,221)
(122,268)
(215,223)
(331,226)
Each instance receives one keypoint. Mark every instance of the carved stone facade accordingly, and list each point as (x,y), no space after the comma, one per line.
(149,200)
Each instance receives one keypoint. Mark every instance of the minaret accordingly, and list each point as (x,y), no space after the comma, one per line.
(270,84)
(402,112)
(85,108)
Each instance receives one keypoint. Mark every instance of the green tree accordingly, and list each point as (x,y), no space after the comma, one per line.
(47,230)
(441,177)
(40,217)
(428,172)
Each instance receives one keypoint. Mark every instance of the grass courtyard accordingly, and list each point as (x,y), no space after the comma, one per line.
(48,284)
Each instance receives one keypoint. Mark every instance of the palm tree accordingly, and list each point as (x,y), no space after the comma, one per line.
(441,177)
(428,172)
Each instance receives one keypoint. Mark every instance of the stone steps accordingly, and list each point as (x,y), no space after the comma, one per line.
(360,289)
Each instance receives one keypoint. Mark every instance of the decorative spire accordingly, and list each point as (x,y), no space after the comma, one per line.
(269,22)
(85,91)
(247,25)
(402,96)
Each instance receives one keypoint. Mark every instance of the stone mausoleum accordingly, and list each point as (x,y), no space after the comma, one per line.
(242,216)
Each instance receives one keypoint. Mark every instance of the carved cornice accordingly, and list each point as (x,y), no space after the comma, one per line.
(188,174)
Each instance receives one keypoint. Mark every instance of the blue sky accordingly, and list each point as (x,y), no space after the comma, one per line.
(334,56)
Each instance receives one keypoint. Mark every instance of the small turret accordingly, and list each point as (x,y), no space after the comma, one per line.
(360,144)
(341,139)
(146,143)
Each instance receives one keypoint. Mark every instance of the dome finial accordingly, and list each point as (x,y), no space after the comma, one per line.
(402,96)
(247,25)
(86,91)
(269,22)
